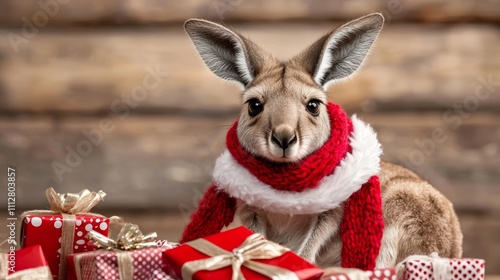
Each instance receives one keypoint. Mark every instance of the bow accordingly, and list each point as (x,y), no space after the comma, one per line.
(254,247)
(71,203)
(129,238)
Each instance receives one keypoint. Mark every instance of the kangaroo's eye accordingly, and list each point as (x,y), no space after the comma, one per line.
(313,107)
(254,107)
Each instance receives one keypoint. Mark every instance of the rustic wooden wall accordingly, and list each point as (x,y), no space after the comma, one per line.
(74,111)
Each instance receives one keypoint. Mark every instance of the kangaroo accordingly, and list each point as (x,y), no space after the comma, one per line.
(286,121)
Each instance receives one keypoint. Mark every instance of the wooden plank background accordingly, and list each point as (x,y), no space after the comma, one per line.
(63,12)
(412,67)
(71,74)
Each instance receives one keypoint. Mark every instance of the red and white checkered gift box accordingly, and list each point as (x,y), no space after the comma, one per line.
(142,264)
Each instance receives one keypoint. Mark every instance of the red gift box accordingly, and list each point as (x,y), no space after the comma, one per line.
(28,261)
(46,231)
(228,241)
(335,273)
(431,268)
(62,230)
(142,264)
(131,256)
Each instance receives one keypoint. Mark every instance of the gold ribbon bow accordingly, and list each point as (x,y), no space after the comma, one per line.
(72,203)
(253,248)
(129,238)
(68,204)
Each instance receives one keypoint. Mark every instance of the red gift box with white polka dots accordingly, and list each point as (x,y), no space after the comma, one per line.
(457,269)
(146,264)
(46,230)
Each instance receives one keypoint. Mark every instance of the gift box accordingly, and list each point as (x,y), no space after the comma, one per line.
(435,268)
(62,230)
(335,273)
(132,256)
(141,264)
(240,252)
(27,263)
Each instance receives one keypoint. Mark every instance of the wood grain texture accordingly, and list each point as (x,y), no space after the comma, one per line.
(139,161)
(481,240)
(144,162)
(86,71)
(67,12)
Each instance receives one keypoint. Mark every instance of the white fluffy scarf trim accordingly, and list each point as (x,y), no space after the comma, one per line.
(355,169)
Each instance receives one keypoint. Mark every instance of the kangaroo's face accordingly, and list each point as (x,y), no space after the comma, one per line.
(284,116)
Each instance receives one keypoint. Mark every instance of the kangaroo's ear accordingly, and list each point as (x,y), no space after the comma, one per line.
(338,54)
(227,54)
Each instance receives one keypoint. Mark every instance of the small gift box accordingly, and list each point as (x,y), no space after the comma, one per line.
(61,230)
(131,256)
(338,273)
(434,267)
(237,254)
(27,263)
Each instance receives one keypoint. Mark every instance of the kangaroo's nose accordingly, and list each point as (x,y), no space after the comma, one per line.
(284,137)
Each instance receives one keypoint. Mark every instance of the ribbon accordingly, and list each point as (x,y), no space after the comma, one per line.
(129,238)
(4,265)
(124,261)
(254,247)
(38,273)
(351,273)
(72,203)
(125,265)
(440,266)
(68,205)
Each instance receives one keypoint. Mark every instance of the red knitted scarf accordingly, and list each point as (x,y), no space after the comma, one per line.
(362,226)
